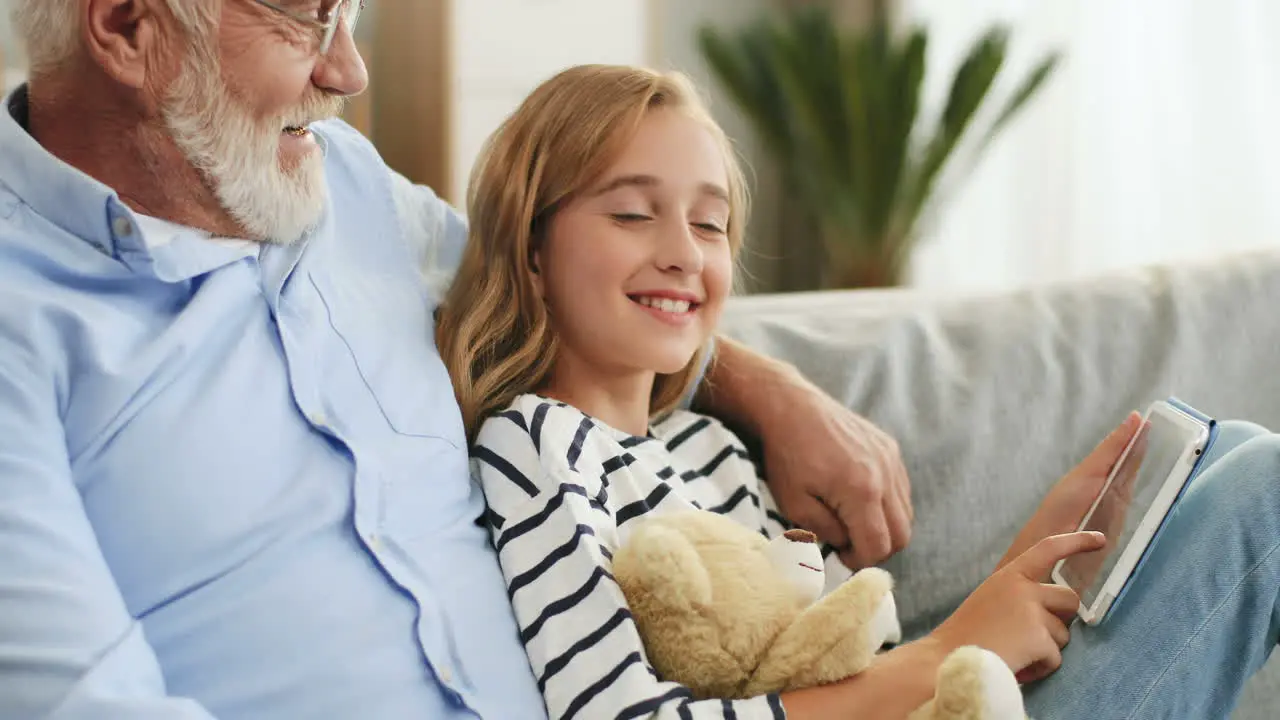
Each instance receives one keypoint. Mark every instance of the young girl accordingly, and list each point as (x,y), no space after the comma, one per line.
(606,215)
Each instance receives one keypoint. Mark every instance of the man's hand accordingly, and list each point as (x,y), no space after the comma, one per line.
(1068,501)
(831,471)
(836,474)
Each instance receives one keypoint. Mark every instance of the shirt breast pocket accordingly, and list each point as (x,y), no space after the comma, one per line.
(386,325)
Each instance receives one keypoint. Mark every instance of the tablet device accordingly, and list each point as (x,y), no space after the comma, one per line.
(1142,489)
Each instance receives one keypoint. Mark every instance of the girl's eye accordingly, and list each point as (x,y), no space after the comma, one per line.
(630,217)
(711,228)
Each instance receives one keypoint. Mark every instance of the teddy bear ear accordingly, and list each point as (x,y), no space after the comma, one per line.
(663,564)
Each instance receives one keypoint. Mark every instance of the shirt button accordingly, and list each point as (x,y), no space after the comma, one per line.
(446,676)
(375,543)
(318,419)
(122,226)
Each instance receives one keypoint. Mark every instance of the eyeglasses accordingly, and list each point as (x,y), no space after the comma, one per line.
(328,15)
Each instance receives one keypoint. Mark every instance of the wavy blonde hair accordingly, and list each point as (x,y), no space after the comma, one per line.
(493,329)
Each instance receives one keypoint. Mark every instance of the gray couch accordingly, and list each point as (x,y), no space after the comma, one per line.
(994,396)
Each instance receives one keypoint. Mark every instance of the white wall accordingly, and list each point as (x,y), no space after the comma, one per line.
(10,75)
(1154,143)
(504,48)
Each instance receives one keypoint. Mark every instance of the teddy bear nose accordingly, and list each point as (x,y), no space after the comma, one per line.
(801,536)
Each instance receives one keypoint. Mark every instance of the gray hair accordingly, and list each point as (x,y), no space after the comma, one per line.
(50,29)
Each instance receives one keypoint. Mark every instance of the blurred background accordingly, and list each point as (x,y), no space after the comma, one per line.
(941,144)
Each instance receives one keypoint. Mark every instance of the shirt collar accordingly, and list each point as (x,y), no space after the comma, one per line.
(174,252)
(56,191)
(92,211)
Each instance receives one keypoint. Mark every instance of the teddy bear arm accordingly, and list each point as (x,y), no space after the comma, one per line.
(691,653)
(833,639)
(807,657)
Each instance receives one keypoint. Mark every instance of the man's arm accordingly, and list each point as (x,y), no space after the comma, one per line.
(69,648)
(741,386)
(435,230)
(830,470)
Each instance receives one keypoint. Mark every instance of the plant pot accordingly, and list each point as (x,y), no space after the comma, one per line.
(853,275)
(865,264)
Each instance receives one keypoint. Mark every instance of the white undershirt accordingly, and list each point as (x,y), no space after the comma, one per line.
(158,233)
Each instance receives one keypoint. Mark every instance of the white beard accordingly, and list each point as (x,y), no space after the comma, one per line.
(239,157)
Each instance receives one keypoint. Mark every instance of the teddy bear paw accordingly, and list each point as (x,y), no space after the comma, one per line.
(884,628)
(980,682)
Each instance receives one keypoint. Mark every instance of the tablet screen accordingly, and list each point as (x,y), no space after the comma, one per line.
(1154,455)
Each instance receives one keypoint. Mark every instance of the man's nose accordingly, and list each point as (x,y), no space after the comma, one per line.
(341,71)
(678,248)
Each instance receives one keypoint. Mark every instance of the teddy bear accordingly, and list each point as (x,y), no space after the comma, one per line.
(731,614)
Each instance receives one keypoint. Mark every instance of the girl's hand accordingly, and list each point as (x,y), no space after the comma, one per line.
(1066,504)
(1015,615)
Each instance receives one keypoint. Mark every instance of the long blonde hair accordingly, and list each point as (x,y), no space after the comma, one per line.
(493,329)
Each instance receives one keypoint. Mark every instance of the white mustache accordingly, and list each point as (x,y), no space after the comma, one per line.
(314,111)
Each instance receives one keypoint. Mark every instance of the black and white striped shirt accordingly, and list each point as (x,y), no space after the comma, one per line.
(562,490)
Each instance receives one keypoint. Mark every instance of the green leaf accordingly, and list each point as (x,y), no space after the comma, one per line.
(972,81)
(1019,98)
(749,81)
(907,85)
(806,53)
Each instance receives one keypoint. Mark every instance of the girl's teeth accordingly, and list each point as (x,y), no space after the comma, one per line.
(666,304)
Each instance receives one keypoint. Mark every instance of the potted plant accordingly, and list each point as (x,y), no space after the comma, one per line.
(839,110)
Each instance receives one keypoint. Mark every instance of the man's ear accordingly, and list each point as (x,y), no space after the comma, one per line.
(120,35)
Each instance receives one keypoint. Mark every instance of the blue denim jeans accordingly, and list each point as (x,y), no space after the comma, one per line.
(1204,612)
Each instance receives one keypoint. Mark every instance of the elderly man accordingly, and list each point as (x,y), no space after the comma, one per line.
(233,478)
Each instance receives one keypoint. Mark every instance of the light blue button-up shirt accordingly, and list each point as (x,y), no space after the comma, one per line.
(233,478)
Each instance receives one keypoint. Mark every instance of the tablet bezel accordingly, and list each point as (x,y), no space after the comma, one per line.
(1197,433)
